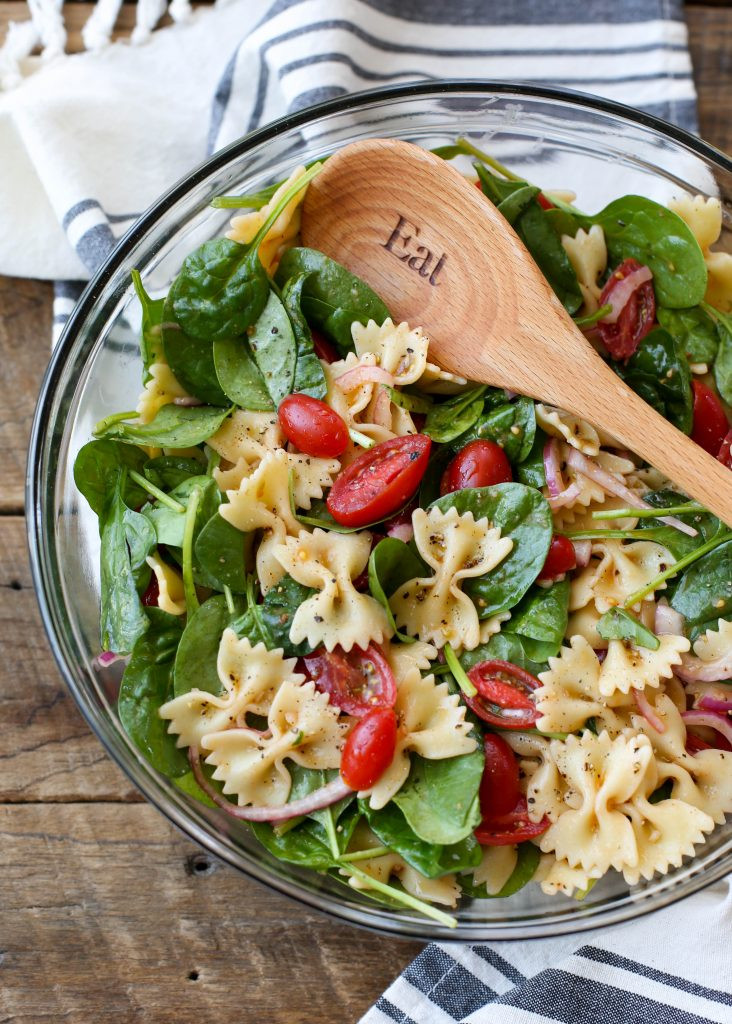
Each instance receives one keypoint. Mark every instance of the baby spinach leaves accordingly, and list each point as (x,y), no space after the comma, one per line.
(309,376)
(657,237)
(174,426)
(97,467)
(239,376)
(333,298)
(151,340)
(431,859)
(269,622)
(678,543)
(392,563)
(530,471)
(693,330)
(191,360)
(147,684)
(617,624)
(511,425)
(540,619)
(505,646)
(723,361)
(704,592)
(195,660)
(220,555)
(659,373)
(169,523)
(526,865)
(455,415)
(274,348)
(440,799)
(168,471)
(523,515)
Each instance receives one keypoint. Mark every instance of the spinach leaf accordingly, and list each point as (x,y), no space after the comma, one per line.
(411,400)
(517,202)
(187,784)
(168,471)
(648,232)
(191,359)
(693,331)
(309,376)
(531,470)
(523,514)
(526,865)
(431,859)
(141,542)
(541,620)
(659,372)
(704,591)
(723,362)
(239,375)
(146,685)
(617,624)
(220,291)
(195,660)
(270,622)
(151,341)
(505,646)
(455,415)
(333,298)
(297,846)
(440,799)
(175,426)
(512,426)
(220,555)
(497,189)
(122,617)
(97,468)
(169,524)
(392,563)
(273,346)
(679,544)
(538,235)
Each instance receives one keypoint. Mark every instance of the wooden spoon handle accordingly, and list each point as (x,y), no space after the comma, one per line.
(620,410)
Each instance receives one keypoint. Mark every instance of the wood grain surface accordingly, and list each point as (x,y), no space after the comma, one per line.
(106,913)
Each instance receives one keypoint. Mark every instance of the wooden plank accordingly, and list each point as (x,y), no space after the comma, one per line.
(710,41)
(47,750)
(111,916)
(25,333)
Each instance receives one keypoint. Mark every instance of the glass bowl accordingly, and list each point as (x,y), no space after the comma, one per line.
(558,139)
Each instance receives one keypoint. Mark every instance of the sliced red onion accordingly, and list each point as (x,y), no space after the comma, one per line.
(552,468)
(648,711)
(709,703)
(352,379)
(694,670)
(582,552)
(712,720)
(587,467)
(567,496)
(187,400)
(668,620)
(106,658)
(381,414)
(324,797)
(623,292)
(402,531)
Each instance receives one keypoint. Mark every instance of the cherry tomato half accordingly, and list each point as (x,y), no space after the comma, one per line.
(725,452)
(514,827)
(479,464)
(323,348)
(504,696)
(710,420)
(694,743)
(499,786)
(356,681)
(151,595)
(560,558)
(313,426)
(544,203)
(379,481)
(622,338)
(369,748)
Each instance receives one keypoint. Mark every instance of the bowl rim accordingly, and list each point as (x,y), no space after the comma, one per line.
(34,488)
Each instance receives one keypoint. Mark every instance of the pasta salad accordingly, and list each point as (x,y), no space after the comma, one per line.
(433,638)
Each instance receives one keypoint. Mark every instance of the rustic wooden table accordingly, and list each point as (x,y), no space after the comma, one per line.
(108,914)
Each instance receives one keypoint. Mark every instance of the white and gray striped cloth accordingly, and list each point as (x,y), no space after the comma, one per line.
(89,141)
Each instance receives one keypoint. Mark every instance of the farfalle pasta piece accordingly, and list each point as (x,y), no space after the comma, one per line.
(303,727)
(431,723)
(283,232)
(571,691)
(171,596)
(337,613)
(627,667)
(161,389)
(457,548)
(665,833)
(715,643)
(381,868)
(572,429)
(703,214)
(588,255)
(489,627)
(250,678)
(591,494)
(621,571)
(262,502)
(557,876)
(495,868)
(397,348)
(404,657)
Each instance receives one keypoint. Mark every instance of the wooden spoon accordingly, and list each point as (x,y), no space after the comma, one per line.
(441,256)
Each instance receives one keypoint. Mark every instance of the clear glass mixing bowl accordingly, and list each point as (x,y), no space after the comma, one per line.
(557,139)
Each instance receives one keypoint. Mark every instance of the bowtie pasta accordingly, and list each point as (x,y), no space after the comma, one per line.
(430,637)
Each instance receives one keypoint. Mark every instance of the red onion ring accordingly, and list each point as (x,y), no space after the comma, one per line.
(324,797)
(381,414)
(582,552)
(712,720)
(106,658)
(552,468)
(623,292)
(668,621)
(187,400)
(648,711)
(402,531)
(584,465)
(709,703)
(694,670)
(352,379)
